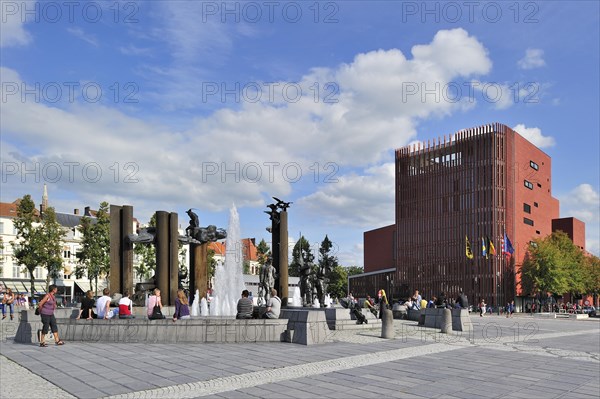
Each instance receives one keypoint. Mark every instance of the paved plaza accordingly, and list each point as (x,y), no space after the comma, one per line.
(521,357)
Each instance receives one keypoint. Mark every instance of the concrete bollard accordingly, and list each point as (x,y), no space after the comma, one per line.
(447,321)
(387,324)
(422,317)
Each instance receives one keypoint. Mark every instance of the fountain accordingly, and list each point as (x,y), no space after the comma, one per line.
(328,301)
(297,298)
(229,280)
(195,308)
(203,307)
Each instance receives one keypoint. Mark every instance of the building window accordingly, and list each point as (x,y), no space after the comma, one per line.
(527,208)
(535,204)
(534,165)
(528,184)
(528,221)
(537,232)
(539,185)
(533,244)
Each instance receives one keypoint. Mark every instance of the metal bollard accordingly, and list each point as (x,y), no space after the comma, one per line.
(387,324)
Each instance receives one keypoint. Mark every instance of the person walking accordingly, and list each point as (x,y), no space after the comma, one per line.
(8,301)
(482,308)
(46,308)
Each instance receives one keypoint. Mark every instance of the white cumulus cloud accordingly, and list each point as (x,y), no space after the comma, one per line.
(535,136)
(534,58)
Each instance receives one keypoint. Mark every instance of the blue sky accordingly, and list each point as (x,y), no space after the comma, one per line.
(135,103)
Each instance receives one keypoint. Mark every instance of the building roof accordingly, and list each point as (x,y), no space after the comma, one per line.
(249,251)
(9,209)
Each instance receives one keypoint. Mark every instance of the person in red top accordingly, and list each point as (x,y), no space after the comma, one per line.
(125,305)
(46,307)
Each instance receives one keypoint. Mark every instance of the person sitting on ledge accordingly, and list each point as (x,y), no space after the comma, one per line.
(273,306)
(244,306)
(103,305)
(182,308)
(155,306)
(87,306)
(125,305)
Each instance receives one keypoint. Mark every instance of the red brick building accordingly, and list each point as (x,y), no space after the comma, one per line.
(477,184)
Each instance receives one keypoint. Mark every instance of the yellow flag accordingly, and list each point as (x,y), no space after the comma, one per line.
(468,248)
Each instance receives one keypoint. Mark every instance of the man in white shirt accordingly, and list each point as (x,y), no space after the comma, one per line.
(103,305)
(273,306)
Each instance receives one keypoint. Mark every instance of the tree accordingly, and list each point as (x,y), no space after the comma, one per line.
(263,251)
(146,255)
(52,237)
(338,282)
(553,264)
(94,256)
(354,270)
(591,266)
(211,263)
(38,242)
(246,265)
(329,263)
(301,247)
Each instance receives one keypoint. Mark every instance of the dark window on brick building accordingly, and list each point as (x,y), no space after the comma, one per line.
(528,184)
(534,165)
(527,208)
(528,221)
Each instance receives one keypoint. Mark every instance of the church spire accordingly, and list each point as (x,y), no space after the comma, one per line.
(44,205)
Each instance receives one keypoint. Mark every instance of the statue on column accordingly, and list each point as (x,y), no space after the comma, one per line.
(267,281)
(321,283)
(306,289)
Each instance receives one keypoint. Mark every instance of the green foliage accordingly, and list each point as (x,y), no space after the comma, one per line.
(354,270)
(338,282)
(211,262)
(52,238)
(591,267)
(263,251)
(335,276)
(94,257)
(38,242)
(146,255)
(301,247)
(246,265)
(553,264)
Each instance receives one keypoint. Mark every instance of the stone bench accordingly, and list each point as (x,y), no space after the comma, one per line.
(142,330)
(461,320)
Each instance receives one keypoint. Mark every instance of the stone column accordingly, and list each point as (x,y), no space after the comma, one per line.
(199,269)
(387,324)
(173,258)
(283,258)
(114,281)
(126,249)
(275,237)
(202,269)
(162,252)
(446,322)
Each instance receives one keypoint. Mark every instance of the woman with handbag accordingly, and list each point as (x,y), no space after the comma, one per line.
(46,310)
(155,306)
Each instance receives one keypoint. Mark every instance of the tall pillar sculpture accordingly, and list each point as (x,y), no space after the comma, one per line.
(198,238)
(279,239)
(121,250)
(173,258)
(161,275)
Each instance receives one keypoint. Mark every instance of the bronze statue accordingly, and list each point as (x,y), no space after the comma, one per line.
(306,289)
(267,281)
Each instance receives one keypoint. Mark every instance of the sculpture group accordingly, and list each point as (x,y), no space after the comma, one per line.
(313,282)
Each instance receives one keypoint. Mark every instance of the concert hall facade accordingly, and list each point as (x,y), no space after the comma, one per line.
(478,185)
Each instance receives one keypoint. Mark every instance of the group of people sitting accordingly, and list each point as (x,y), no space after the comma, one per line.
(125,305)
(245,307)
